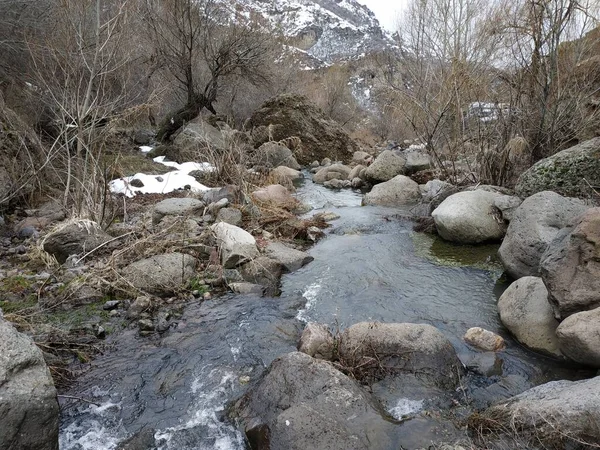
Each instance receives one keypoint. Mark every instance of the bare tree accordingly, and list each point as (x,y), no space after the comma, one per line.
(200,46)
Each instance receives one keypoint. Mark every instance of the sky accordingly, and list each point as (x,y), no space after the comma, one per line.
(386,11)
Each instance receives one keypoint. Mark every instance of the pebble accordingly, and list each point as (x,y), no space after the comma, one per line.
(111,304)
(145,325)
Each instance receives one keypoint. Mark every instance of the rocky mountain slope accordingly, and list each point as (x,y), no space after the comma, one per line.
(326,31)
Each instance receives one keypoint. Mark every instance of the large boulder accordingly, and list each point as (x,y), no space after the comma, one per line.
(305,403)
(385,167)
(74,238)
(290,258)
(525,311)
(161,275)
(559,414)
(317,341)
(571,267)
(274,154)
(469,218)
(199,135)
(579,337)
(433,188)
(417,161)
(237,246)
(398,191)
(332,172)
(293,116)
(534,225)
(186,206)
(28,405)
(567,172)
(401,348)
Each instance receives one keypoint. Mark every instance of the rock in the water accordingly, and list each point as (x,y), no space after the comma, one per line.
(559,414)
(317,341)
(566,172)
(74,238)
(570,267)
(338,184)
(385,167)
(177,207)
(28,406)
(579,337)
(284,174)
(199,135)
(232,216)
(275,194)
(290,258)
(293,116)
(534,225)
(237,246)
(484,339)
(401,348)
(273,154)
(163,274)
(398,191)
(469,218)
(264,271)
(305,403)
(525,311)
(245,288)
(332,172)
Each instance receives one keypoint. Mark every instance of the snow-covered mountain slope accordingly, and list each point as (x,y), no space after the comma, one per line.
(327,30)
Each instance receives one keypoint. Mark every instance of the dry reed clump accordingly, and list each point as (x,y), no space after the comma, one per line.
(508,430)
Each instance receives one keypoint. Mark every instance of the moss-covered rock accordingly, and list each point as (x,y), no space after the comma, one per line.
(568,172)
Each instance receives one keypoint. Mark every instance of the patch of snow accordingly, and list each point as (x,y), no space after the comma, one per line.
(146,148)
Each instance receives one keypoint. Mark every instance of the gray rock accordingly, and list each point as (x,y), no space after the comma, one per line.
(273,154)
(579,337)
(199,135)
(275,194)
(570,266)
(398,191)
(137,183)
(525,311)
(469,218)
(28,406)
(325,162)
(507,205)
(361,157)
(385,167)
(401,348)
(290,258)
(505,388)
(433,189)
(559,414)
(332,172)
(143,137)
(245,288)
(565,172)
(111,304)
(232,216)
(317,341)
(229,192)
(237,246)
(534,225)
(264,271)
(146,325)
(305,403)
(177,207)
(161,275)
(74,238)
(337,184)
(140,305)
(487,364)
(416,161)
(214,208)
(357,183)
(314,164)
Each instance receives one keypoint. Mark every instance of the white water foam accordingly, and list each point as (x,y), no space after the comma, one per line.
(209,401)
(310,295)
(406,407)
(93,434)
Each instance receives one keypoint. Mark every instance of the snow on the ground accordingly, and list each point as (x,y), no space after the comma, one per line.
(146,148)
(162,184)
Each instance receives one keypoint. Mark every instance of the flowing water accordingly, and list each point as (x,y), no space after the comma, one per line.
(171,392)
